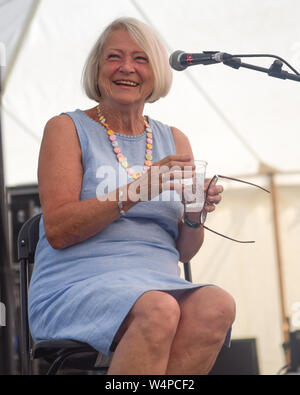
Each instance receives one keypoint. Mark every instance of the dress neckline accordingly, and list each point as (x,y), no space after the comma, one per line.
(124,136)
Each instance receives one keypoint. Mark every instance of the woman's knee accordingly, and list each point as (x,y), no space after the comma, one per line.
(211,310)
(221,314)
(156,315)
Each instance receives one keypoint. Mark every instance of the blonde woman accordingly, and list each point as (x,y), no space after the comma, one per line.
(106,269)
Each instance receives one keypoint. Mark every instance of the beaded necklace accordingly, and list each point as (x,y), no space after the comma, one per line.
(117,150)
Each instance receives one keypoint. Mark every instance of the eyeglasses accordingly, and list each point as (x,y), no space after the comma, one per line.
(203,213)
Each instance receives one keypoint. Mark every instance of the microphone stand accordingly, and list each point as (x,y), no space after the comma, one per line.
(275,69)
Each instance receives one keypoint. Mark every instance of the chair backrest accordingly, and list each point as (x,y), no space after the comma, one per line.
(27,242)
(28,238)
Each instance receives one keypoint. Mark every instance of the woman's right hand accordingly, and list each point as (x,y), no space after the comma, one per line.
(159,177)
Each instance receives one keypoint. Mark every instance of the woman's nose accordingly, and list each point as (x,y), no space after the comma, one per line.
(127,65)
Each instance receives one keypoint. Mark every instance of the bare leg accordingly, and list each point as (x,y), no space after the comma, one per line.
(149,329)
(206,316)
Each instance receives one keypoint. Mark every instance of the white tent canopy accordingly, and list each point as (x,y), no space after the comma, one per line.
(242,122)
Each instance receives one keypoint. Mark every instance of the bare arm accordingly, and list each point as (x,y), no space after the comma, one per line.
(68,220)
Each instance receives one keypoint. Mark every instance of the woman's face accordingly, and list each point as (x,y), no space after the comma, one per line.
(125,74)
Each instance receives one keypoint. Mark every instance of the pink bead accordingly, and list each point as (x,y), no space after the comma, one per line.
(117,150)
(121,157)
(112,137)
(149,141)
(149,151)
(130,171)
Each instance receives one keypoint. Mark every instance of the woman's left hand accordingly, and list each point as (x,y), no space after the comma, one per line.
(214,195)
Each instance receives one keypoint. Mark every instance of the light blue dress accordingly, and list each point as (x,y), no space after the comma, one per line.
(85,291)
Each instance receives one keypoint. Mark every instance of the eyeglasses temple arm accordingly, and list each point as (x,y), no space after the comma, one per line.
(245,182)
(204,213)
(226,237)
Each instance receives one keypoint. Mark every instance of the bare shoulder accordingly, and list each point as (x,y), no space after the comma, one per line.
(178,134)
(60,133)
(60,123)
(60,167)
(181,141)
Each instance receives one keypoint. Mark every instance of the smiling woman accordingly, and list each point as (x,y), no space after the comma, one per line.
(123,64)
(106,265)
(152,51)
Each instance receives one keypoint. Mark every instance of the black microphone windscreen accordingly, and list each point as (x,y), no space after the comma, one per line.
(175,61)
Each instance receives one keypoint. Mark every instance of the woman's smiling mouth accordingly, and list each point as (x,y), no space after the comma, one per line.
(126,83)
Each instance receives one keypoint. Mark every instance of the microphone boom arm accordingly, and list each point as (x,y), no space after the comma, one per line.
(275,69)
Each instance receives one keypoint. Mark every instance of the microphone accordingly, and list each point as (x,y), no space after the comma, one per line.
(180,60)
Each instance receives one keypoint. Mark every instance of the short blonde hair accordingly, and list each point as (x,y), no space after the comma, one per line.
(148,40)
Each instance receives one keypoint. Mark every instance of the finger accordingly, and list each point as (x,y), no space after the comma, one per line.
(215,190)
(174,158)
(214,199)
(211,181)
(209,208)
(180,174)
(175,162)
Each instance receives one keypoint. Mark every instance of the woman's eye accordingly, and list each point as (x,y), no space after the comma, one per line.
(113,56)
(141,59)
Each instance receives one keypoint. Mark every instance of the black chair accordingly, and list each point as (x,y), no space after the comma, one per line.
(72,354)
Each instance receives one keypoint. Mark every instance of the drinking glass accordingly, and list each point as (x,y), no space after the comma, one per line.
(193,187)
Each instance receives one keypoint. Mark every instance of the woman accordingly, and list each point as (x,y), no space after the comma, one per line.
(106,267)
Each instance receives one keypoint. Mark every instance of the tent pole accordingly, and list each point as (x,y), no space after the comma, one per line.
(284,317)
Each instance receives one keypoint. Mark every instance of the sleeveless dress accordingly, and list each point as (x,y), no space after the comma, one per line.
(85,291)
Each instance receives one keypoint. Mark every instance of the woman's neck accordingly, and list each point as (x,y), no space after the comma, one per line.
(123,119)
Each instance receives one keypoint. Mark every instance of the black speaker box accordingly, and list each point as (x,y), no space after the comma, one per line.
(23,203)
(239,359)
(295,350)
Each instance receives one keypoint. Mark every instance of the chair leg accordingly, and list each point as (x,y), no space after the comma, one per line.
(26,364)
(57,364)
